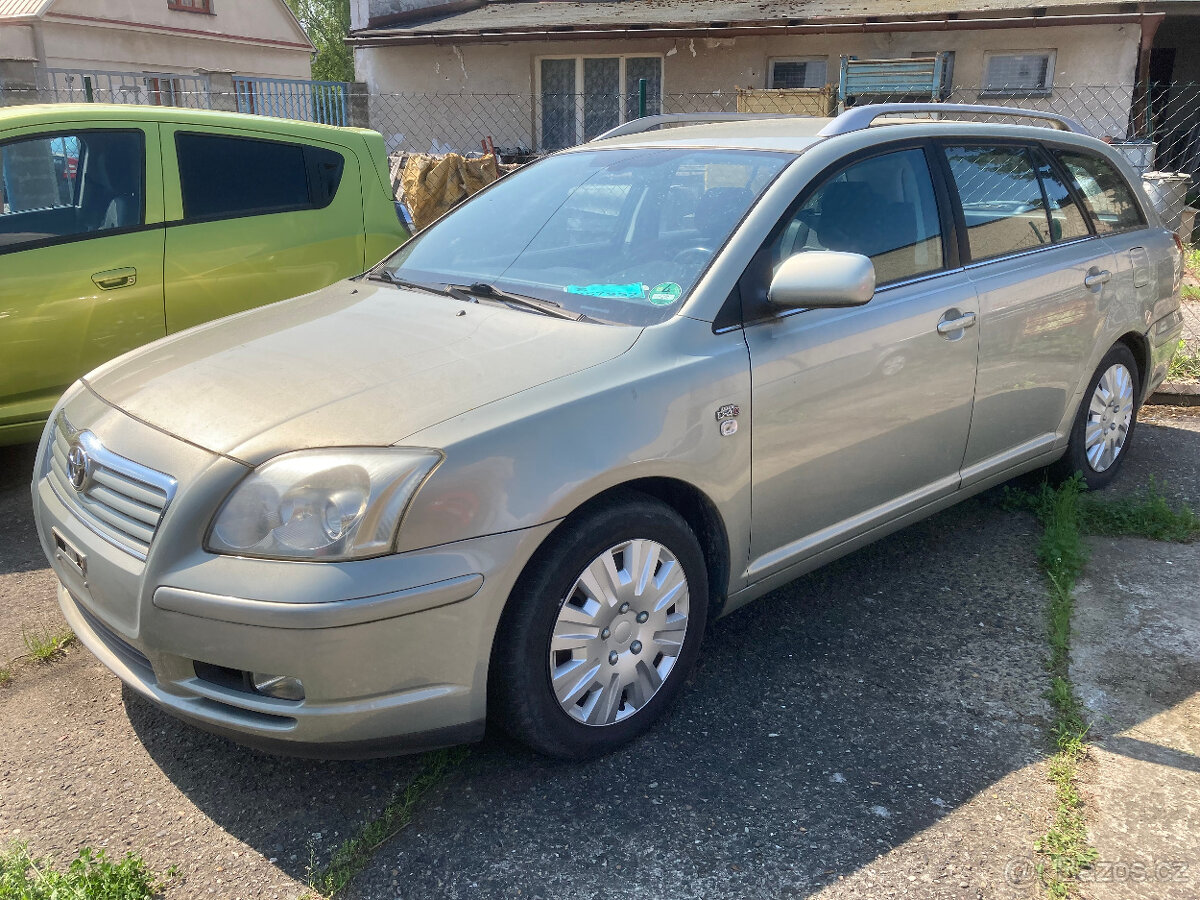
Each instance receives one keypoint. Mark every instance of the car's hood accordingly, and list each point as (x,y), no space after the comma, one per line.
(358,363)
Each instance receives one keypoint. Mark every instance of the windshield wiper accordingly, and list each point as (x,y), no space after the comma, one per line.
(386,276)
(491,292)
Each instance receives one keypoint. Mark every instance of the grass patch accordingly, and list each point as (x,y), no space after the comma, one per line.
(354,854)
(46,643)
(1062,556)
(90,876)
(1148,515)
(5,676)
(1185,364)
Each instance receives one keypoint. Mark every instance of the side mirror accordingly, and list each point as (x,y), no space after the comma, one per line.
(816,279)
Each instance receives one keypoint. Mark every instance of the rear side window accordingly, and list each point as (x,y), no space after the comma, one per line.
(70,185)
(1001,200)
(1067,221)
(883,207)
(226,177)
(1107,194)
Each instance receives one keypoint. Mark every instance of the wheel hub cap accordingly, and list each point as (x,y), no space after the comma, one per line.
(619,632)
(1110,414)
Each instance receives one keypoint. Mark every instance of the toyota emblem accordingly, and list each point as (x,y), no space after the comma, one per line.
(79,467)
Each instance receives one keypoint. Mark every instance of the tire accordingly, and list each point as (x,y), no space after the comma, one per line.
(1116,379)
(618,667)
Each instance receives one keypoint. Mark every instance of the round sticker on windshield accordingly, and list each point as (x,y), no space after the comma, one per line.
(665,294)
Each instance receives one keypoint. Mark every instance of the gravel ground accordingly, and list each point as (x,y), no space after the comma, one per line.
(875,729)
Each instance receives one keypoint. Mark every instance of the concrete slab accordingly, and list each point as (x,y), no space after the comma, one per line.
(1136,663)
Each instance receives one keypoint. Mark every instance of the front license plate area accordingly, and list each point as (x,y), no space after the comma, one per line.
(65,551)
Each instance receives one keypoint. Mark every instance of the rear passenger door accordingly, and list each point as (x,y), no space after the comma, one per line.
(253,219)
(1044,284)
(1144,271)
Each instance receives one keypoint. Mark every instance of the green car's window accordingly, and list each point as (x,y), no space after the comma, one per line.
(231,177)
(619,235)
(1108,196)
(69,186)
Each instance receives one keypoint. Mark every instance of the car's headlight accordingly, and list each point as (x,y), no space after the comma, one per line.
(321,504)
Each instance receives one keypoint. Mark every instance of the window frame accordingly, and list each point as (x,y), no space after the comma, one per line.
(772,60)
(305,148)
(740,311)
(86,235)
(1046,90)
(580,93)
(1081,200)
(179,6)
(1050,150)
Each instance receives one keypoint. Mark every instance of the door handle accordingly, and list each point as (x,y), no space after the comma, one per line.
(1095,278)
(115,278)
(949,326)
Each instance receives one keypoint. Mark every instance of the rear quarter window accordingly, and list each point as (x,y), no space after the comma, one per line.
(225,177)
(1109,198)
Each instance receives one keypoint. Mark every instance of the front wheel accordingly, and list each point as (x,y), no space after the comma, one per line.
(1104,425)
(601,630)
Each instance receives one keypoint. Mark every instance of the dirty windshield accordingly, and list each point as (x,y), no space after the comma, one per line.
(616,235)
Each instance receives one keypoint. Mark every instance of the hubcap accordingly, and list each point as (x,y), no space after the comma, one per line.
(619,631)
(1109,416)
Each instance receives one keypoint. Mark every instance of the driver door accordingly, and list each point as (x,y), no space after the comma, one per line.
(860,415)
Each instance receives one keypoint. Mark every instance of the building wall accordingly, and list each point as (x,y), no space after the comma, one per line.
(1091,55)
(249,38)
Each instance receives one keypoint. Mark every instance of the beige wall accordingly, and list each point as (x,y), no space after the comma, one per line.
(1092,55)
(249,37)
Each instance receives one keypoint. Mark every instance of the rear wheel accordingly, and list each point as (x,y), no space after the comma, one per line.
(601,630)
(1104,425)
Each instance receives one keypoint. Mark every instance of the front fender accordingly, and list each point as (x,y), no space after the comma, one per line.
(537,456)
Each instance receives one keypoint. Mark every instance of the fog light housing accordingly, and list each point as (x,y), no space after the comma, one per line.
(281,687)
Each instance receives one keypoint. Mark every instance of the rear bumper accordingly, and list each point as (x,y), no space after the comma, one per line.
(1163,336)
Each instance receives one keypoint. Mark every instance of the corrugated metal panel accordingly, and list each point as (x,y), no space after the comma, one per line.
(13,9)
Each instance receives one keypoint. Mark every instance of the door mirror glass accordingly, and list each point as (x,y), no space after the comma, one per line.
(822,279)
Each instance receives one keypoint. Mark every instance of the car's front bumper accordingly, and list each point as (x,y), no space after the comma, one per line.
(393,652)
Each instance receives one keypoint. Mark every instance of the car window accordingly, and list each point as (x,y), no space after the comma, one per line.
(1001,200)
(619,235)
(1107,194)
(883,207)
(225,177)
(1067,222)
(72,185)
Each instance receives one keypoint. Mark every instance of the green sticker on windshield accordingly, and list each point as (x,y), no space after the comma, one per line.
(665,294)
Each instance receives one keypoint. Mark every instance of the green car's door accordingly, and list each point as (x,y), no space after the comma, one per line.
(81,258)
(254,218)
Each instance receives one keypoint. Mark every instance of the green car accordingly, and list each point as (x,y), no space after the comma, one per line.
(121,224)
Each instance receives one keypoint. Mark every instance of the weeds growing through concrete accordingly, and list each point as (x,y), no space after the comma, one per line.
(90,876)
(354,854)
(46,643)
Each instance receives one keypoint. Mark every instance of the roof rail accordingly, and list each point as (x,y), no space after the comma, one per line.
(645,123)
(859,117)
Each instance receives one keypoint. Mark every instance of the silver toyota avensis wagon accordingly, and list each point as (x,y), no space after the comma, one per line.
(511,472)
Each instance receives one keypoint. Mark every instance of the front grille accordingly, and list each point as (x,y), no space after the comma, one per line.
(121,500)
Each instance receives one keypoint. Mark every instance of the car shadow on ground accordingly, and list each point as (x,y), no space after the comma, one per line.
(19,547)
(824,724)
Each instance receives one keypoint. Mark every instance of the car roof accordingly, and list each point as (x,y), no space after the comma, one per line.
(53,113)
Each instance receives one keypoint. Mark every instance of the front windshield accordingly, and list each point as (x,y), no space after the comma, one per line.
(617,235)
